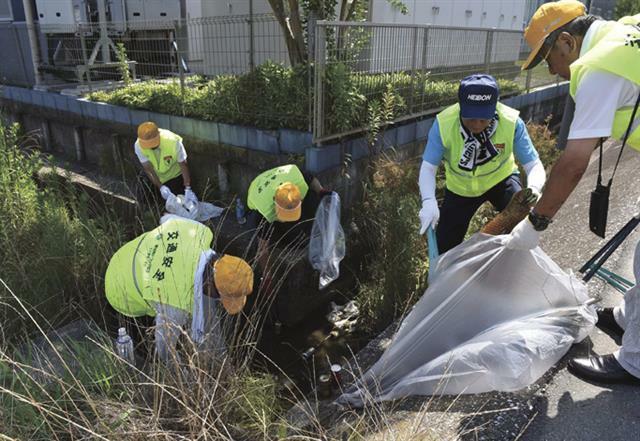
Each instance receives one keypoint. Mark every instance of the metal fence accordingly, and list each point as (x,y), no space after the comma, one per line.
(354,64)
(159,49)
(422,66)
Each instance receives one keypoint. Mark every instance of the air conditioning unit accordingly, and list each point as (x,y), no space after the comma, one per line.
(152,14)
(64,16)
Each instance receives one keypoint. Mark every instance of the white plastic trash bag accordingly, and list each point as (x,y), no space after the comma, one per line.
(194,210)
(327,243)
(493,320)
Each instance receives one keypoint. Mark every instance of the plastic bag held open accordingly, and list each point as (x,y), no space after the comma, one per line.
(327,244)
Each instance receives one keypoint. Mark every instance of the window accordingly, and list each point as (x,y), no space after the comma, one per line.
(5,10)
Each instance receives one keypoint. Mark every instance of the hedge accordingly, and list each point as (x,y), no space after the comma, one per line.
(274,96)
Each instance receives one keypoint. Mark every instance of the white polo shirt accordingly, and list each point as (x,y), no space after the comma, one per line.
(180,150)
(598,96)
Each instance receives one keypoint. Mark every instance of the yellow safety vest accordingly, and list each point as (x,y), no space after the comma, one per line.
(164,159)
(483,177)
(263,188)
(614,48)
(158,266)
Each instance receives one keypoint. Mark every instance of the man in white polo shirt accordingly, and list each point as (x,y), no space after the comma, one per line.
(602,61)
(164,160)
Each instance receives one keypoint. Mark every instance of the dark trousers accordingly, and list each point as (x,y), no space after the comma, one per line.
(456,211)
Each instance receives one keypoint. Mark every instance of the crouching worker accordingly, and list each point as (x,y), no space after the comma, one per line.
(164,160)
(479,140)
(171,273)
(284,201)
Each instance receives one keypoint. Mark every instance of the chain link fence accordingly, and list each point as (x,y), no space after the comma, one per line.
(162,49)
(418,66)
(214,68)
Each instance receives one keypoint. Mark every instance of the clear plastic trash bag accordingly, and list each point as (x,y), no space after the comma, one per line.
(327,243)
(493,319)
(194,210)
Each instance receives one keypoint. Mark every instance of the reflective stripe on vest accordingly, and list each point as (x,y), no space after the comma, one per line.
(164,159)
(614,48)
(158,266)
(484,177)
(263,188)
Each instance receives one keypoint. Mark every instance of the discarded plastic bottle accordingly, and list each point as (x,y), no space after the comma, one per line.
(124,346)
(308,353)
(240,215)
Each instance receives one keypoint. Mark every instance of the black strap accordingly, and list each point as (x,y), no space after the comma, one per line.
(624,142)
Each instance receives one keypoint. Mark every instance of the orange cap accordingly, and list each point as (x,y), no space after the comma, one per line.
(148,135)
(234,282)
(288,202)
(548,18)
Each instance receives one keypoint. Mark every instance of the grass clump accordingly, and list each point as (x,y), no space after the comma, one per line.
(55,244)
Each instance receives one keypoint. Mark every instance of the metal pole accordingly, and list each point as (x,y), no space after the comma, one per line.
(33,40)
(252,54)
(104,37)
(177,32)
(83,48)
(488,48)
(319,128)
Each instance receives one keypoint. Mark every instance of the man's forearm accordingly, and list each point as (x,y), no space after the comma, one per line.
(186,176)
(151,174)
(565,175)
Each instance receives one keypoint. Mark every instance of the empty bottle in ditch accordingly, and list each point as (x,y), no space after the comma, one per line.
(124,346)
(240,216)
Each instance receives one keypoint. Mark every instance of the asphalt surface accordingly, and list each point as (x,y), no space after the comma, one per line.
(568,408)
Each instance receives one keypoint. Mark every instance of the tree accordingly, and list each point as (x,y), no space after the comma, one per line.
(293,14)
(626,7)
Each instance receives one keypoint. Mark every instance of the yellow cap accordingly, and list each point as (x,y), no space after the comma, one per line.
(234,282)
(288,202)
(148,135)
(548,18)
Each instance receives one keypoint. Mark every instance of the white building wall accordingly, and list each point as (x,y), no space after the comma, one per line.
(501,14)
(219,41)
(437,48)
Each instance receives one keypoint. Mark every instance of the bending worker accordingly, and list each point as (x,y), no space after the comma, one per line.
(284,201)
(171,273)
(164,160)
(478,139)
(601,60)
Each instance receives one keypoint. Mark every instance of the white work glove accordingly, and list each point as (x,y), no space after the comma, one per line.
(523,236)
(429,215)
(165,192)
(190,195)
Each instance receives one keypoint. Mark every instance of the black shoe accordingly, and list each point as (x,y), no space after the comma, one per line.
(602,369)
(607,322)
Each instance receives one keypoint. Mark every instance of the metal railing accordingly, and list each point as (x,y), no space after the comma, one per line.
(421,65)
(206,46)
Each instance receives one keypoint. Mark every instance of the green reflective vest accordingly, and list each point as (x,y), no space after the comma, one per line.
(158,266)
(614,48)
(263,188)
(483,177)
(164,159)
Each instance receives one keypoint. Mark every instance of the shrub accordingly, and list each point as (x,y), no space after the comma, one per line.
(273,96)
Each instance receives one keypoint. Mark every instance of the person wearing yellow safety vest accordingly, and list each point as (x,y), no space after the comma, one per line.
(601,59)
(164,160)
(479,140)
(171,273)
(284,201)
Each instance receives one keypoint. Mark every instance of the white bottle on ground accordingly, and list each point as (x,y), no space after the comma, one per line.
(124,346)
